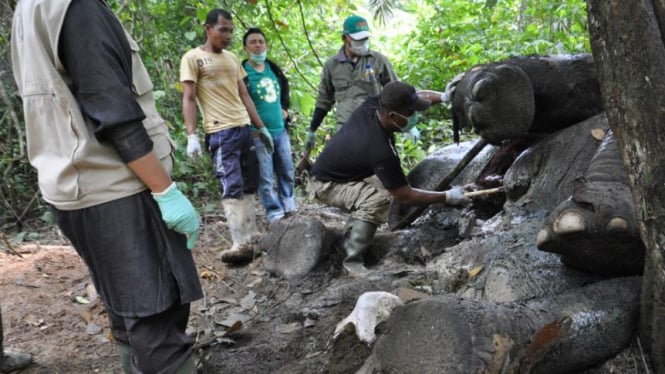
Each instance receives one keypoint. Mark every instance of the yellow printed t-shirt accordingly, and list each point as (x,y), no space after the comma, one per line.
(216,76)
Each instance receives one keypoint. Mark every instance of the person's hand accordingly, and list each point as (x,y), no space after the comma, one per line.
(455,196)
(309,141)
(266,138)
(178,213)
(302,169)
(193,146)
(447,95)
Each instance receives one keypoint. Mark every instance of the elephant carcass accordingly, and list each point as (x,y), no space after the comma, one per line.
(454,335)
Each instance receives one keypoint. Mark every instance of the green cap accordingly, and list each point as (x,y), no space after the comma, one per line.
(356,27)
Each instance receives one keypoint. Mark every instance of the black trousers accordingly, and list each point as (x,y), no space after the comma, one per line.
(145,276)
(158,343)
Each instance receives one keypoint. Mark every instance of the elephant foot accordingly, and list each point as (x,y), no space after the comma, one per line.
(496,100)
(596,231)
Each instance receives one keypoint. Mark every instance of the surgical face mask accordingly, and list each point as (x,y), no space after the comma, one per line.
(411,122)
(359,47)
(258,58)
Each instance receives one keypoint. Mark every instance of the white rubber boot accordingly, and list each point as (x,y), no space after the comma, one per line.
(249,214)
(238,222)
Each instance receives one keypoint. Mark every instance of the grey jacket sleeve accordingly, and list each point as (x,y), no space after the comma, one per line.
(326,97)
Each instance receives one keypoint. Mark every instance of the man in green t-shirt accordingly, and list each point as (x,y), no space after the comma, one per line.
(269,90)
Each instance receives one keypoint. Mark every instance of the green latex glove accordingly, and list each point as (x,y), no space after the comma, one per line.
(178,213)
(266,139)
(309,141)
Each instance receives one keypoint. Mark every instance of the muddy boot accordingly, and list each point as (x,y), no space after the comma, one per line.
(125,357)
(12,360)
(187,367)
(243,248)
(249,214)
(358,236)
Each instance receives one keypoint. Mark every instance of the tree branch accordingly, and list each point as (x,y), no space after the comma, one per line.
(309,41)
(286,49)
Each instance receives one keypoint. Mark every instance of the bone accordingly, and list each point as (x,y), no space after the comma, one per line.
(371,309)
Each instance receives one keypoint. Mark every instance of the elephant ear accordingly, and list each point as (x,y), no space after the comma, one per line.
(500,103)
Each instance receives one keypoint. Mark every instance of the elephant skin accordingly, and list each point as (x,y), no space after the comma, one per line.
(454,335)
(544,175)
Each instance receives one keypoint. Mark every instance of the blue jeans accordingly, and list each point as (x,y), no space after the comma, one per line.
(276,183)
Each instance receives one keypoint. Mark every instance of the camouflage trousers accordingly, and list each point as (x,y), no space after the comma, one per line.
(367,200)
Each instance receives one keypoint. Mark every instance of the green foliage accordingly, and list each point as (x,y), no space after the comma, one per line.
(428,42)
(18,182)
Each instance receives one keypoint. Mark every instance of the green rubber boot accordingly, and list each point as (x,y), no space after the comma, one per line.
(125,357)
(357,239)
(187,367)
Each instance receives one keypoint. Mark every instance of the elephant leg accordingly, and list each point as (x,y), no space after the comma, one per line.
(596,230)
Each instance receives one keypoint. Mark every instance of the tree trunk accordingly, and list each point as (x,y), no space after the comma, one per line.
(628,49)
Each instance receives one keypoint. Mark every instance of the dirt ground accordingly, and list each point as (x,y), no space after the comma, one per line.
(50,309)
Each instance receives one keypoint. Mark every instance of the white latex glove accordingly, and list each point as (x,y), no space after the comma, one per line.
(455,196)
(193,146)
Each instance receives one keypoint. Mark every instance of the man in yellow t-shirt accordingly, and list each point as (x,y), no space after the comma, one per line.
(213,77)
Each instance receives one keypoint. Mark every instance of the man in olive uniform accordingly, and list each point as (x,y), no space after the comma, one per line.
(349,77)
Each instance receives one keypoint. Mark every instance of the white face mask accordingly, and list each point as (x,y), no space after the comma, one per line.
(359,47)
(259,58)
